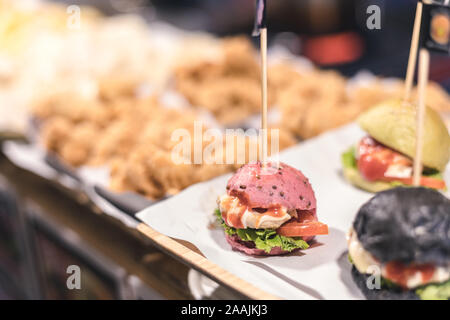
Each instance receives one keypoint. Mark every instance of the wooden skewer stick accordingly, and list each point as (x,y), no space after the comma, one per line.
(413,52)
(424,63)
(263,48)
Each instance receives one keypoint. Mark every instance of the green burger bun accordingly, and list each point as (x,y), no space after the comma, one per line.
(354,177)
(393,123)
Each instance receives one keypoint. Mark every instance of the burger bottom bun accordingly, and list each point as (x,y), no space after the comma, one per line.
(354,177)
(383,293)
(248,247)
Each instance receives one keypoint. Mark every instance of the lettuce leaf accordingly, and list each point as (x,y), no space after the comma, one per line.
(264,239)
(348,158)
(433,174)
(350,259)
(435,291)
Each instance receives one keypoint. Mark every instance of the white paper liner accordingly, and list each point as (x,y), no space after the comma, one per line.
(200,286)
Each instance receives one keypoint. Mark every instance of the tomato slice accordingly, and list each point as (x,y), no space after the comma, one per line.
(400,273)
(375,159)
(424,181)
(431,183)
(302,229)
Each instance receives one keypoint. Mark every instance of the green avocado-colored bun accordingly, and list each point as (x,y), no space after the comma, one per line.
(393,123)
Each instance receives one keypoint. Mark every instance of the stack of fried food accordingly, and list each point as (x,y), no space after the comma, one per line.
(230,87)
(132,134)
(322,100)
(378,91)
(315,102)
(44,47)
(309,102)
(134,138)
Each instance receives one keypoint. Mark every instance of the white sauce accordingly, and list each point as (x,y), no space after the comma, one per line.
(399,171)
(251,219)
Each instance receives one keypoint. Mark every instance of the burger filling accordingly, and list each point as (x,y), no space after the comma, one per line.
(267,229)
(241,216)
(376,162)
(428,281)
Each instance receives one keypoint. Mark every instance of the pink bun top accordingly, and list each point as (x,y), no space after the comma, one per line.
(272,186)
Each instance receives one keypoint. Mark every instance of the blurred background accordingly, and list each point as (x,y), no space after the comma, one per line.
(332,33)
(102,84)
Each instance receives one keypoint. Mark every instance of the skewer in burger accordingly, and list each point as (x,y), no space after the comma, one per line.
(384,159)
(403,234)
(269,210)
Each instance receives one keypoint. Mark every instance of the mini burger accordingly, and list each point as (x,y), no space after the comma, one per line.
(402,235)
(269,210)
(384,158)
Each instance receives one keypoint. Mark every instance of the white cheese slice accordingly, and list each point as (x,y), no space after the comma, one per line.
(361,258)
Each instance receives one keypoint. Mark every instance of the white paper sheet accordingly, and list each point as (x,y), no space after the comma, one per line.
(321,272)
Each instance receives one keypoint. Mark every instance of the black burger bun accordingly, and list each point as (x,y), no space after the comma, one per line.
(409,225)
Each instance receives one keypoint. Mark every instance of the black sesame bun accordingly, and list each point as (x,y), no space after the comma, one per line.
(406,225)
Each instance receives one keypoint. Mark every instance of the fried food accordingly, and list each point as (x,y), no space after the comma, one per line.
(314,103)
(319,101)
(115,126)
(377,92)
(228,88)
